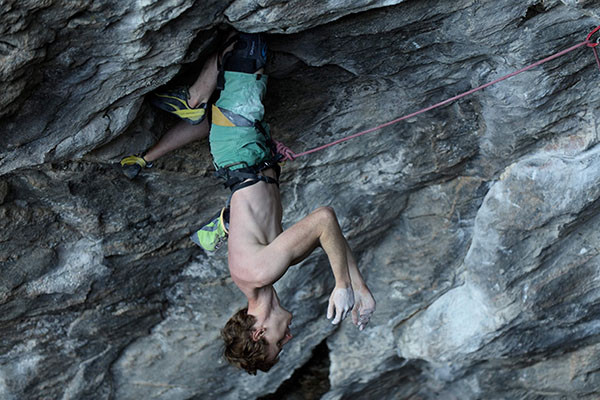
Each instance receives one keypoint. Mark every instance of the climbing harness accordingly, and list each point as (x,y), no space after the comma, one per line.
(236,179)
(288,154)
(239,175)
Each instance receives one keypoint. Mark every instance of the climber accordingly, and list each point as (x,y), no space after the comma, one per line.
(260,251)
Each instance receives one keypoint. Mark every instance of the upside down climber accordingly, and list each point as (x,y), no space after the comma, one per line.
(260,251)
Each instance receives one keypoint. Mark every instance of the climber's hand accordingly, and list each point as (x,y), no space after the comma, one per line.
(341,301)
(364,307)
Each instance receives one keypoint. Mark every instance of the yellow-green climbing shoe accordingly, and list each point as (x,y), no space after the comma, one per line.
(212,235)
(132,165)
(175,101)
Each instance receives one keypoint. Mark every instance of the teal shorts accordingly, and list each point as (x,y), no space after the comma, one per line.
(240,146)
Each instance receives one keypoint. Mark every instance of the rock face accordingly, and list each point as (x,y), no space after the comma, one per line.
(475,224)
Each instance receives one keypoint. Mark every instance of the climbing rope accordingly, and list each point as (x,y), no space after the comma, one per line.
(288,154)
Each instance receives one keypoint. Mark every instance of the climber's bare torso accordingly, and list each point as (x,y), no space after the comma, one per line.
(255,221)
(259,250)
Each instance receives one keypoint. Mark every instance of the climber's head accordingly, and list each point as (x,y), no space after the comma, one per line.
(253,340)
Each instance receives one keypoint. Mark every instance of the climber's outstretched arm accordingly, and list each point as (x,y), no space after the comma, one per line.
(364,303)
(319,228)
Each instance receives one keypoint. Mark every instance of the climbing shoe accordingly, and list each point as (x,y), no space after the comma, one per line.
(175,101)
(212,235)
(132,165)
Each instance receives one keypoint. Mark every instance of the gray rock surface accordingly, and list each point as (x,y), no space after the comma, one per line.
(475,224)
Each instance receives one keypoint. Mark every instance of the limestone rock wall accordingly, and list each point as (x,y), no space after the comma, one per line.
(475,224)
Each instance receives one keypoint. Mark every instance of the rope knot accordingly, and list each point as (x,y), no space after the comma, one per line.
(590,43)
(285,151)
(588,39)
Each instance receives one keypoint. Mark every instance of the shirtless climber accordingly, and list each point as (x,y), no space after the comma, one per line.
(260,251)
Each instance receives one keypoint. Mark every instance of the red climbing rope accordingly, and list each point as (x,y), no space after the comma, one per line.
(290,155)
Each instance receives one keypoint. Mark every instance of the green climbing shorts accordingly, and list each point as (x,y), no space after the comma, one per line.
(240,146)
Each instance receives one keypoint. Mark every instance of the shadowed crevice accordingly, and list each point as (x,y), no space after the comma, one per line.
(310,381)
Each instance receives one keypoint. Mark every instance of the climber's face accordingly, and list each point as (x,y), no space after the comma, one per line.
(278,333)
(275,328)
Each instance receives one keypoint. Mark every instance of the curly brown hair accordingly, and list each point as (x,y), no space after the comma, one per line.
(240,349)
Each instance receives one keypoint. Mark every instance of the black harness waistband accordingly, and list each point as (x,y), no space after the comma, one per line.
(236,179)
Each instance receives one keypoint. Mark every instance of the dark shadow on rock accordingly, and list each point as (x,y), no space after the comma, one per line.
(309,382)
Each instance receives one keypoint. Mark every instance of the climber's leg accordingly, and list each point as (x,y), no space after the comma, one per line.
(176,137)
(205,84)
(184,133)
(189,103)
(192,108)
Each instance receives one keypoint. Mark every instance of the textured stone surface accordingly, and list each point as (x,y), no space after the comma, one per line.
(475,224)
